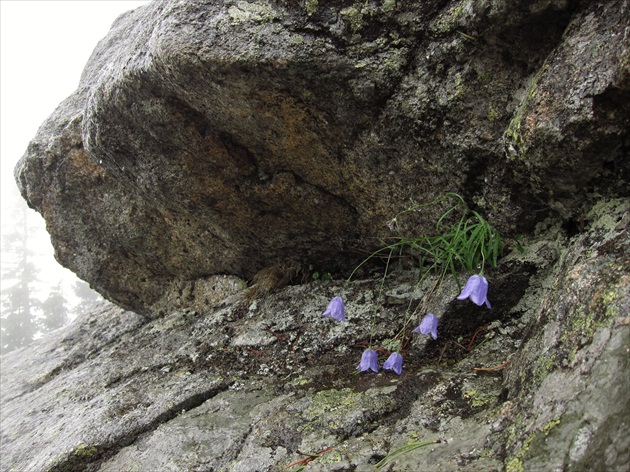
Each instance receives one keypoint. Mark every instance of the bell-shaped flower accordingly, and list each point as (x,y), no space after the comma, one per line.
(336,309)
(369,360)
(394,362)
(428,325)
(477,290)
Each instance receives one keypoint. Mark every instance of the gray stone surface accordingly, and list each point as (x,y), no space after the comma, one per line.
(536,383)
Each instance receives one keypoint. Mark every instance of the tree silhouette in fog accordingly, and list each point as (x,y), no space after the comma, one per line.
(54,310)
(24,316)
(19,272)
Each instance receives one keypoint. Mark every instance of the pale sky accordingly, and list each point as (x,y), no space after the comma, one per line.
(44,46)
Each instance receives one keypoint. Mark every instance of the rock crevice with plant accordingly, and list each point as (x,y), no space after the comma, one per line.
(457,171)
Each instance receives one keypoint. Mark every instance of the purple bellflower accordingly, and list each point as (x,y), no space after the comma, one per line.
(369,360)
(394,362)
(477,290)
(336,309)
(428,325)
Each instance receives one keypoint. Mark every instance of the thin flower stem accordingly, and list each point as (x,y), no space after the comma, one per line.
(421,308)
(380,293)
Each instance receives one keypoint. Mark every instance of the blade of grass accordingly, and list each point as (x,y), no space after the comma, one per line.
(404,450)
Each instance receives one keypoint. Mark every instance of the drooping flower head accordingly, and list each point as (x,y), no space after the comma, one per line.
(394,362)
(369,360)
(428,325)
(477,290)
(336,309)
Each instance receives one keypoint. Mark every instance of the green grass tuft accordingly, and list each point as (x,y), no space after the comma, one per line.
(468,243)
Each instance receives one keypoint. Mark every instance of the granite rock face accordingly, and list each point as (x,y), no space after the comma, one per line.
(536,383)
(210,142)
(223,137)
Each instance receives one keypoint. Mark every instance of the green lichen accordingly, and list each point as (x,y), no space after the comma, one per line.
(354,16)
(244,12)
(300,381)
(604,305)
(296,40)
(337,410)
(448,19)
(169,323)
(516,463)
(547,427)
(460,88)
(607,213)
(581,324)
(332,457)
(544,364)
(395,60)
(493,114)
(328,401)
(484,77)
(514,428)
(311,7)
(610,300)
(85,451)
(514,133)
(584,321)
(388,6)
(478,399)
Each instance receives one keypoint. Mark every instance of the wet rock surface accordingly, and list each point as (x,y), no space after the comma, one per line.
(534,383)
(217,155)
(223,137)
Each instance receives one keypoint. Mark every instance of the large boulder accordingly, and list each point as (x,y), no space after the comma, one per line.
(224,137)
